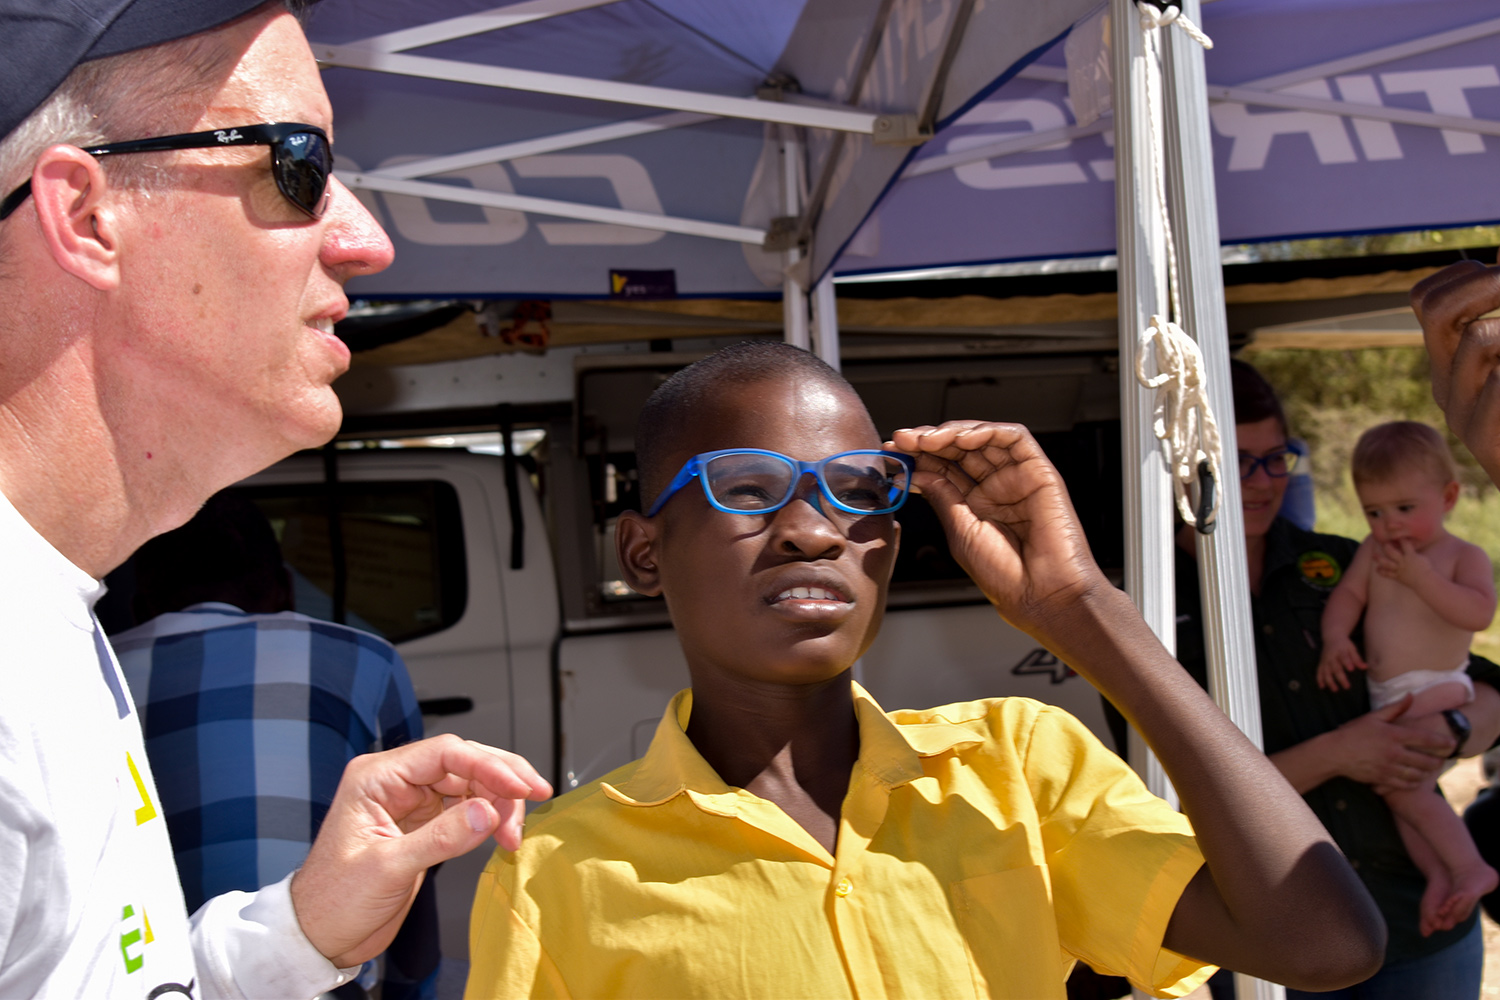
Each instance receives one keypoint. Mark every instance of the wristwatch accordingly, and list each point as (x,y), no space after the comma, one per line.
(1458,725)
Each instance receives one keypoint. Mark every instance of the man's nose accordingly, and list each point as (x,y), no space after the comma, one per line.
(354,242)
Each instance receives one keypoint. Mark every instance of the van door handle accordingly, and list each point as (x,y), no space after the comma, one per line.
(446,706)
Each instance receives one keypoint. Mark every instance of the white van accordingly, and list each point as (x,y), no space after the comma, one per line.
(495,576)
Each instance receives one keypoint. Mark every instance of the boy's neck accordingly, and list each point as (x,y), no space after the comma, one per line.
(793,745)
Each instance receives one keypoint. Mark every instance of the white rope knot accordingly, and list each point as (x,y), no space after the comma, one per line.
(1153,17)
(1182,420)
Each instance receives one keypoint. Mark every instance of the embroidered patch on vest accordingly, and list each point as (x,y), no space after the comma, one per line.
(1319,569)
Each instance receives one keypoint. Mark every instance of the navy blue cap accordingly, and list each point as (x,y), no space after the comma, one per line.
(41,41)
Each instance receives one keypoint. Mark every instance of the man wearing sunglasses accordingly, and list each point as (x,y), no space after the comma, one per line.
(172,254)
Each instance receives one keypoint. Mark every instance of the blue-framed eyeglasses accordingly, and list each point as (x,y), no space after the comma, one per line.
(1278,464)
(754,481)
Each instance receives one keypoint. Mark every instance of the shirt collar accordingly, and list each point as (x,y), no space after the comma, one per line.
(50,567)
(891,751)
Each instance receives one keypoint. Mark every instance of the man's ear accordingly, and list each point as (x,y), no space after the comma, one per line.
(635,545)
(76,216)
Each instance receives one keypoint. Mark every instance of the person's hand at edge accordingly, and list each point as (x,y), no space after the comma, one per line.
(393,817)
(1465,353)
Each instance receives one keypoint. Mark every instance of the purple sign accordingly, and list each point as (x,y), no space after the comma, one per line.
(1328,117)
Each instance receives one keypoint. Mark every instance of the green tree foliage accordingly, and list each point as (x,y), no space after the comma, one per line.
(1331,397)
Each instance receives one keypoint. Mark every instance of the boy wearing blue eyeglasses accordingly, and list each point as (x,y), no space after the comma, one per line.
(784,836)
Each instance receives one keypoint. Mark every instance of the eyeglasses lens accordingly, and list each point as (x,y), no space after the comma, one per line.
(866,482)
(751,482)
(302,163)
(1277,465)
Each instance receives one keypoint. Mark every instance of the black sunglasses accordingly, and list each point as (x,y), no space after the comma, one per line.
(301,159)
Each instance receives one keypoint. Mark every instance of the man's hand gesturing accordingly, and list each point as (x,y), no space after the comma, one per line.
(395,815)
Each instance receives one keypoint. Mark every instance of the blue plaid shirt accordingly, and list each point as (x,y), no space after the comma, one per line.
(249,721)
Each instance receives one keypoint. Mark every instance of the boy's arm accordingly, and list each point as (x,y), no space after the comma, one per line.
(1465,601)
(1281,902)
(1340,615)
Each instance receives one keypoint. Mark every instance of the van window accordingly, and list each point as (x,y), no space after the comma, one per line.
(404,573)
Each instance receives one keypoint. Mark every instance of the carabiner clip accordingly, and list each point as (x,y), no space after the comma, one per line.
(1203,517)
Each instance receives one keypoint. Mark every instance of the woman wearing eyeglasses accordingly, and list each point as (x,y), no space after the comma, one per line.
(1329,745)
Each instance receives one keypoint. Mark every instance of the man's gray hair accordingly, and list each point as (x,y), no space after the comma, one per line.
(130,96)
(134,95)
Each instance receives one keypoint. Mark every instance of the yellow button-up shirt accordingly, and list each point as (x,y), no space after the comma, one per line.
(983,848)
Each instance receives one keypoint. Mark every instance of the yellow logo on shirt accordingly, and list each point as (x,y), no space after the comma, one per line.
(1319,569)
(146,811)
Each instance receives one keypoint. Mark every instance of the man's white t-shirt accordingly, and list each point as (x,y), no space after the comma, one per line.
(90,905)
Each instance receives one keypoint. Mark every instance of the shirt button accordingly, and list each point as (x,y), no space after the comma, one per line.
(843,888)
(1294,685)
(1341,805)
(1353,862)
(1268,629)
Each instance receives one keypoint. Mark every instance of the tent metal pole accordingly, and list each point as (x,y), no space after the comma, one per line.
(1228,634)
(794,310)
(1142,283)
(793,293)
(825,311)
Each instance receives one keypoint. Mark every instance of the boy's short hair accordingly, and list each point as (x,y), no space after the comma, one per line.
(1388,450)
(679,400)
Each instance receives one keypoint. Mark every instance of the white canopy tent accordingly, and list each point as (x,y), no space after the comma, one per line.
(770,134)
(834,155)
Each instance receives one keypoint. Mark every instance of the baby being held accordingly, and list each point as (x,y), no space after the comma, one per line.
(1423,593)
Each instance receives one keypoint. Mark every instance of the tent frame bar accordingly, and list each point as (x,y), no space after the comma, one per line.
(477,24)
(838,119)
(1375,57)
(554,208)
(1258,93)
(430,166)
(1348,109)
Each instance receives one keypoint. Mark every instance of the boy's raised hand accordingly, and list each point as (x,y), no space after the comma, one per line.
(1006,513)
